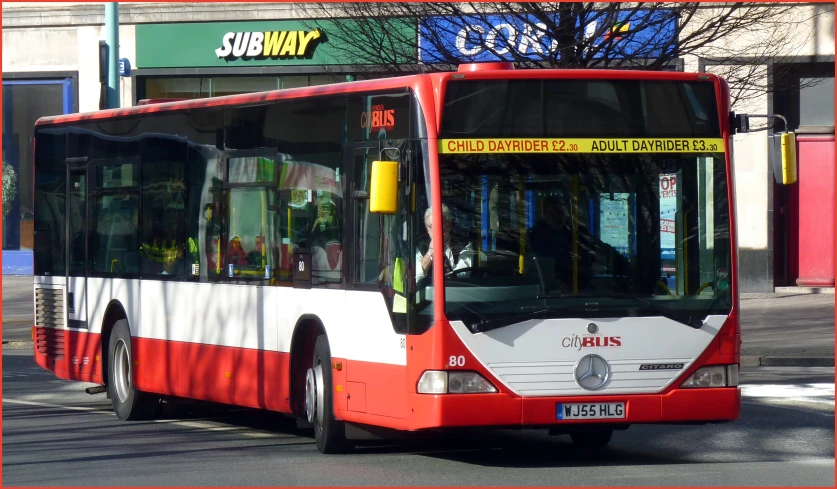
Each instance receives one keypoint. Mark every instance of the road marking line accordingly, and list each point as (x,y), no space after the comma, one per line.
(788,390)
(91,410)
(188,424)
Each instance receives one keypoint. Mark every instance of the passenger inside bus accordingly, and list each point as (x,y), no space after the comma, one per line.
(462,258)
(326,228)
(326,249)
(235,252)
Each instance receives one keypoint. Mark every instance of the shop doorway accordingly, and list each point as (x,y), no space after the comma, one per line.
(803,213)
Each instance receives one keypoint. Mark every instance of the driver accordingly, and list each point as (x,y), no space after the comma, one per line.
(452,261)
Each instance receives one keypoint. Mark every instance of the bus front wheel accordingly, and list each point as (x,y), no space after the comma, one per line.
(128,402)
(329,433)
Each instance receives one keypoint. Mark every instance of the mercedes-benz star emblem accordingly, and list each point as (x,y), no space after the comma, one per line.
(592,328)
(592,372)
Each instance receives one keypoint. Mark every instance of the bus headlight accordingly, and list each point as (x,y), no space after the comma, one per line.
(714,376)
(455,382)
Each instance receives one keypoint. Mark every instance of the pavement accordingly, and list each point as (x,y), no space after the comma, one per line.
(793,327)
(788,329)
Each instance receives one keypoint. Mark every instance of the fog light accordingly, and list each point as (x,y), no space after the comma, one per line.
(455,382)
(714,376)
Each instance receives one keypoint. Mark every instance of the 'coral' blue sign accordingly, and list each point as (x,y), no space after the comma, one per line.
(643,34)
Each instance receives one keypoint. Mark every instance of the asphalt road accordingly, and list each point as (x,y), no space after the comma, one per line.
(55,434)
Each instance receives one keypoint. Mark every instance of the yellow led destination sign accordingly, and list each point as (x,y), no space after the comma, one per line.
(573,145)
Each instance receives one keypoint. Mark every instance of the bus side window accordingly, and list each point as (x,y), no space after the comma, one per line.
(251,235)
(325,235)
(164,245)
(114,247)
(115,234)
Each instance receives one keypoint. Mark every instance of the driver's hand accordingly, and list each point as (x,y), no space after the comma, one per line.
(428,258)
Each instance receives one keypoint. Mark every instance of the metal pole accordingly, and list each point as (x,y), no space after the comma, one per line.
(112,40)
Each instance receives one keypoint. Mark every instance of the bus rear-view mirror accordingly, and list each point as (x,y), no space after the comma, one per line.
(782,152)
(783,158)
(383,192)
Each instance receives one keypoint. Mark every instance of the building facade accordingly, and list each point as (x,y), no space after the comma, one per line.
(191,50)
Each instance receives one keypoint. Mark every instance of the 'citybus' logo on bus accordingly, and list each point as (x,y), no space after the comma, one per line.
(271,44)
(379,117)
(591,341)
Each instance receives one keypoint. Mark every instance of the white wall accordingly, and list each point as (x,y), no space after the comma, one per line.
(40,50)
(67,49)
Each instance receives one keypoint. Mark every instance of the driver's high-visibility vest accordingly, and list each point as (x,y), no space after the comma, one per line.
(398,276)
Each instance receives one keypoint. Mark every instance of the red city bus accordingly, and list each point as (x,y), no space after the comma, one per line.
(279,251)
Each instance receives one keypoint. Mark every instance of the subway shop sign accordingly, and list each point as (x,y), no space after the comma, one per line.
(270,44)
(240,44)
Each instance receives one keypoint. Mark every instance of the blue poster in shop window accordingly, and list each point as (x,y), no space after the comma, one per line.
(507,37)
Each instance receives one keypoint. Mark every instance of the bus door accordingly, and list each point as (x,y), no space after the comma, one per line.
(366,228)
(77,214)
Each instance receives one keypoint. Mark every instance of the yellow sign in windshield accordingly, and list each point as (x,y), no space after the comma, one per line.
(577,145)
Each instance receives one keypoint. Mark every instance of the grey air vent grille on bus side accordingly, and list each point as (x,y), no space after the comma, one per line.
(49,315)
(49,308)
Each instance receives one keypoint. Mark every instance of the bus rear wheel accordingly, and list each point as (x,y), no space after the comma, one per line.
(329,433)
(128,402)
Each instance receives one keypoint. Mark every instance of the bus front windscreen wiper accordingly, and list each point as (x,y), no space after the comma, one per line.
(682,318)
(591,305)
(488,324)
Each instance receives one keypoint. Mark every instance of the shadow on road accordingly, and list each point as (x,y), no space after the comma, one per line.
(764,433)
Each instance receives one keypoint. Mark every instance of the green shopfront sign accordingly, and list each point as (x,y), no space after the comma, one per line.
(238,44)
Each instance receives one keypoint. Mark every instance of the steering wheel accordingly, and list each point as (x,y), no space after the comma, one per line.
(485,271)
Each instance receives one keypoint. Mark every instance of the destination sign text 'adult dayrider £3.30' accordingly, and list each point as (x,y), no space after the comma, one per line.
(576,145)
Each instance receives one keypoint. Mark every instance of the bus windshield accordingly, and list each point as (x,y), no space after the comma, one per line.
(614,228)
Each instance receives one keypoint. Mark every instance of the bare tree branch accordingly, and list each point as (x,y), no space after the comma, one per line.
(742,39)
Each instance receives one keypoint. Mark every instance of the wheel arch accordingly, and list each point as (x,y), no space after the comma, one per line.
(114,312)
(306,331)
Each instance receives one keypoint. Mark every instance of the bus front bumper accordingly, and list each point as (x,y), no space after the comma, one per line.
(506,410)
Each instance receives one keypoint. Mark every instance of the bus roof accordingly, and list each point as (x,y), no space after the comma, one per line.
(469,71)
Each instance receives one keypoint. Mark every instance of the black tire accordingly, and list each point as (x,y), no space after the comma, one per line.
(329,433)
(128,403)
(594,438)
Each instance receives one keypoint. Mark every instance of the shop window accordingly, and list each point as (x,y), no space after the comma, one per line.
(286,82)
(217,86)
(816,101)
(24,102)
